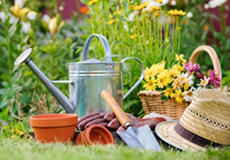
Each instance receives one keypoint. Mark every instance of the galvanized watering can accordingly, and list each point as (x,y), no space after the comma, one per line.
(87,79)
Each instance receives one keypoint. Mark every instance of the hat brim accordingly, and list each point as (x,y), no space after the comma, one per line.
(165,131)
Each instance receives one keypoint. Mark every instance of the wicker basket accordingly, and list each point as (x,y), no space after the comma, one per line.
(151,100)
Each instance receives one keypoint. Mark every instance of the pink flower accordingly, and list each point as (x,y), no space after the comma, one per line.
(190,67)
(214,80)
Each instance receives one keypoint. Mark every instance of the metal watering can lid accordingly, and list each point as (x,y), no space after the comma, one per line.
(106,48)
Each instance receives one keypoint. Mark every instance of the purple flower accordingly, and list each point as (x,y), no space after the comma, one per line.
(195,68)
(190,67)
(199,75)
(214,79)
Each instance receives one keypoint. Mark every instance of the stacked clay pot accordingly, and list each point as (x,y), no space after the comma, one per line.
(95,134)
(54,127)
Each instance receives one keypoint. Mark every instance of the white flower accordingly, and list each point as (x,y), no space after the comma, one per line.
(188,95)
(206,6)
(216,3)
(126,27)
(61,8)
(154,4)
(31,15)
(204,82)
(132,16)
(189,15)
(173,2)
(26,27)
(0,2)
(13,19)
(46,18)
(184,77)
(2,16)
(19,2)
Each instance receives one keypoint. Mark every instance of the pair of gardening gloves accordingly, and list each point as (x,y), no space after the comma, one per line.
(110,121)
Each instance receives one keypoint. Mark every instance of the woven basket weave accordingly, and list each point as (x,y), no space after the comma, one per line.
(151,100)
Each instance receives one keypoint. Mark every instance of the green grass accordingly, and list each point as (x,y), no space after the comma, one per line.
(23,149)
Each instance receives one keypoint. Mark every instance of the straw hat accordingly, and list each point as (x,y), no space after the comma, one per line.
(205,122)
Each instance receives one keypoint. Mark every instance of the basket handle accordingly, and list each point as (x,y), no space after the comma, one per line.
(213,56)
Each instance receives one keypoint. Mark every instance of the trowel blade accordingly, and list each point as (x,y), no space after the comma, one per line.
(141,137)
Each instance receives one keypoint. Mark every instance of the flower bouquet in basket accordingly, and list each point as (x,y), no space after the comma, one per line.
(169,90)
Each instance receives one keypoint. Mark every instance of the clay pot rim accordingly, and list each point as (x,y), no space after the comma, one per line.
(103,131)
(53,120)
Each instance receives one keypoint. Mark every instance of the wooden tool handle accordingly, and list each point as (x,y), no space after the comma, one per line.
(213,56)
(120,114)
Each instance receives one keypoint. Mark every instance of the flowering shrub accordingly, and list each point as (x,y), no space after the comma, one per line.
(179,82)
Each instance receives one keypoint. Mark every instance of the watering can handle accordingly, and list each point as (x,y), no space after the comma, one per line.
(141,77)
(105,45)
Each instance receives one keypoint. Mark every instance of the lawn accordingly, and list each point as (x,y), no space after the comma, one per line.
(27,149)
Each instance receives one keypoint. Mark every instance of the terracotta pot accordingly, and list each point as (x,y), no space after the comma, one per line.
(95,134)
(54,127)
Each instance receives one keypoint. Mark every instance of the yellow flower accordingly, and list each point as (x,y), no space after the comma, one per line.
(110,16)
(163,79)
(118,12)
(180,58)
(133,36)
(174,72)
(178,67)
(155,8)
(159,1)
(186,86)
(176,12)
(179,96)
(111,22)
(168,92)
(17,12)
(141,6)
(149,73)
(145,4)
(150,85)
(156,14)
(53,25)
(91,2)
(158,68)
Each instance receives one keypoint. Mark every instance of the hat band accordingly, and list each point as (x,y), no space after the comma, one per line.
(194,138)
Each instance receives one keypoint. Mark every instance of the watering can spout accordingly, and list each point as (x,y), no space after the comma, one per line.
(61,98)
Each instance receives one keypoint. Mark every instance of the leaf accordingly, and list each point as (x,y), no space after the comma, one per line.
(163,97)
(3,104)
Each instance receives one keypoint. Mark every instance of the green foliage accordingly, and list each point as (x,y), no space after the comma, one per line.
(28,149)
(21,92)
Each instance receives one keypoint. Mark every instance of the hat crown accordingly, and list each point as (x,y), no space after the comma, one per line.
(209,116)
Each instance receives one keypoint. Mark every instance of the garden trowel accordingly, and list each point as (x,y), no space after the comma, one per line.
(141,137)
